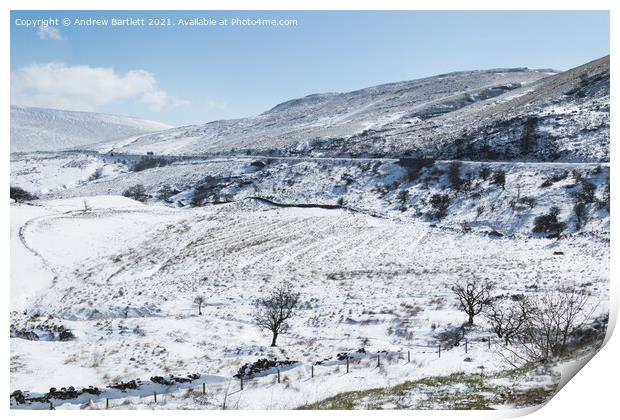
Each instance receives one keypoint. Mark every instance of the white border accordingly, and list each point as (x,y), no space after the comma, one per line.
(591,395)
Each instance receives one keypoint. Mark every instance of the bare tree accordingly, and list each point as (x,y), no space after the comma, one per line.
(507,317)
(272,312)
(552,319)
(473,296)
(199,300)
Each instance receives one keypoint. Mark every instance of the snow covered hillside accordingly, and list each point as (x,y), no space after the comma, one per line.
(379,187)
(41,129)
(494,114)
(140,265)
(298,123)
(127,277)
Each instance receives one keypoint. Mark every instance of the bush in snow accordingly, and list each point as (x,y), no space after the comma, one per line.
(523,203)
(553,323)
(603,203)
(485,172)
(454,176)
(414,166)
(20,195)
(553,179)
(581,214)
(440,204)
(450,337)
(587,193)
(528,201)
(166,192)
(528,139)
(96,175)
(549,223)
(499,179)
(137,192)
(149,162)
(403,197)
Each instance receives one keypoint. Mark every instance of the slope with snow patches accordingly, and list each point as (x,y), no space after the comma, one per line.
(42,129)
(358,236)
(379,187)
(298,123)
(503,114)
(126,288)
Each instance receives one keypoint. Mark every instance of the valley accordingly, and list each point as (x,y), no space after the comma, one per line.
(137,261)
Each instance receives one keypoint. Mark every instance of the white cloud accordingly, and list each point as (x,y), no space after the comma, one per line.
(85,88)
(49,32)
(159,99)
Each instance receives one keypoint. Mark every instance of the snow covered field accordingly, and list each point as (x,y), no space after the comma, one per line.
(125,276)
(373,205)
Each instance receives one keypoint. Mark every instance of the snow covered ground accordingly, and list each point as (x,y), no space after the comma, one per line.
(43,173)
(125,276)
(370,203)
(42,129)
(479,115)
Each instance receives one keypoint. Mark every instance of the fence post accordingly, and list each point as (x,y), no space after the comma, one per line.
(107,403)
(203,389)
(278,375)
(408,356)
(242,382)
(312,371)
(155,396)
(489,343)
(465,346)
(378,360)
(347,364)
(440,351)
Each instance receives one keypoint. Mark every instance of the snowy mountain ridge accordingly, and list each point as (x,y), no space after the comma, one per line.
(42,129)
(294,123)
(502,114)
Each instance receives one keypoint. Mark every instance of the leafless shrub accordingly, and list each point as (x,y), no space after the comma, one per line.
(550,223)
(451,336)
(440,204)
(507,317)
(20,195)
(553,320)
(581,214)
(137,192)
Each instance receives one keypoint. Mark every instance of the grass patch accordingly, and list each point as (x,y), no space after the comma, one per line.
(458,391)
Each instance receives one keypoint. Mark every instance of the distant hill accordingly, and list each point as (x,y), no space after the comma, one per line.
(41,129)
(499,114)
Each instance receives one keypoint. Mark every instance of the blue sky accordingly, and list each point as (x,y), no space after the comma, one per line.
(185,75)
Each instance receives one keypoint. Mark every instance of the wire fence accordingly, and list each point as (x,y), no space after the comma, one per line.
(199,384)
(349,363)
